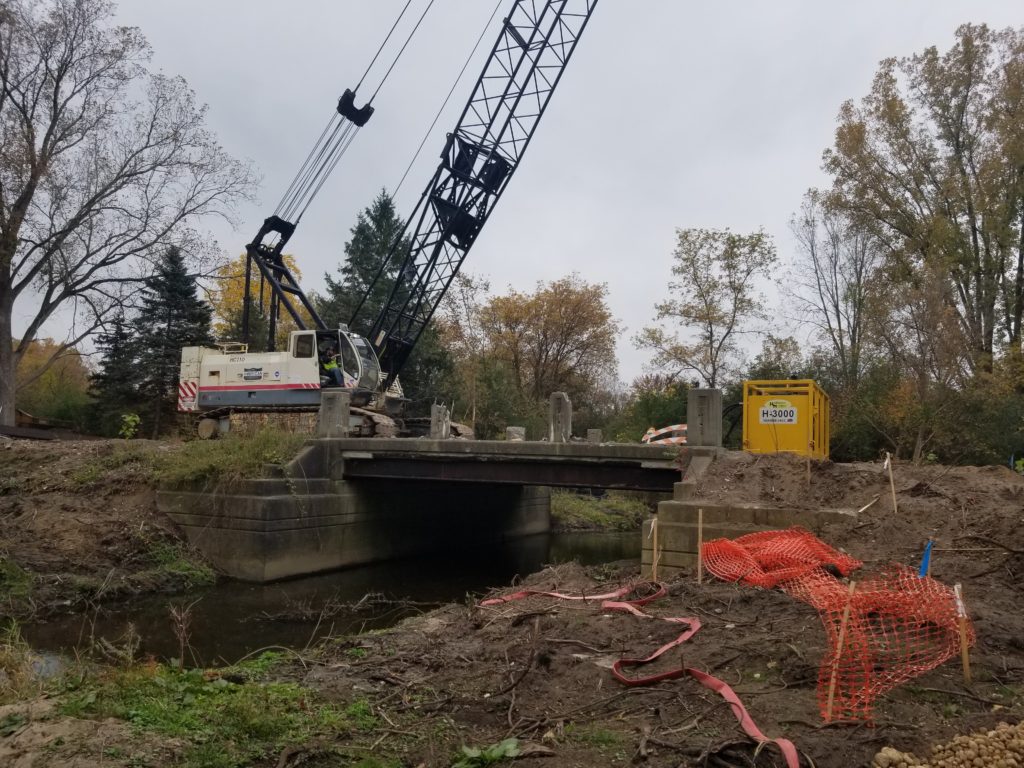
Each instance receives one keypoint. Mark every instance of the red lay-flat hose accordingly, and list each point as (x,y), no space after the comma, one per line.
(609,602)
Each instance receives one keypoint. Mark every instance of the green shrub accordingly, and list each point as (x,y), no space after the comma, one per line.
(614,512)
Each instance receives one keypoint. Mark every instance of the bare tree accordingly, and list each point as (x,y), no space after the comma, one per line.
(103,166)
(459,326)
(716,296)
(830,276)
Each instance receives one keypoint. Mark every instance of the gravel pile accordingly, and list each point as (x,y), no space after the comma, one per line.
(1002,747)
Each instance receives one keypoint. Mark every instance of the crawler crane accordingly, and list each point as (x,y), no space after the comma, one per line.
(478,159)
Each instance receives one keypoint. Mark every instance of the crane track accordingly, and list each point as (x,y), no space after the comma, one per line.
(372,424)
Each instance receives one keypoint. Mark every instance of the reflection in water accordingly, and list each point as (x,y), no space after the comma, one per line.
(234,618)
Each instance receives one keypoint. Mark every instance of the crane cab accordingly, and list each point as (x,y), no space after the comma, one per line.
(229,377)
(342,359)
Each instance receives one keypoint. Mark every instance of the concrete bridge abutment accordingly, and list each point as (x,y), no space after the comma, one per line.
(310,519)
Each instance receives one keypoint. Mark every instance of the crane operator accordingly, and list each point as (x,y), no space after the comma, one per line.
(329,364)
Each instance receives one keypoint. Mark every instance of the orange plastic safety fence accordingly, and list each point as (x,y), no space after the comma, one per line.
(767,558)
(899,625)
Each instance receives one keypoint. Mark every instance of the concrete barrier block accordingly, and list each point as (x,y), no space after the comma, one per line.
(334,411)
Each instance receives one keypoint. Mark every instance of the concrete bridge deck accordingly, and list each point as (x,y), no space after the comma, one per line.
(564,465)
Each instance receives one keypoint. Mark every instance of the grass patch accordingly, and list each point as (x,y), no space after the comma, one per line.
(173,560)
(15,581)
(227,460)
(258,667)
(18,678)
(361,714)
(614,512)
(226,725)
(205,463)
(138,457)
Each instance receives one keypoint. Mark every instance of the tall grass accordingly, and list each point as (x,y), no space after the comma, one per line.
(227,460)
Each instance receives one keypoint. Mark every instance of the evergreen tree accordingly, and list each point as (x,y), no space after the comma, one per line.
(428,373)
(375,231)
(172,317)
(115,384)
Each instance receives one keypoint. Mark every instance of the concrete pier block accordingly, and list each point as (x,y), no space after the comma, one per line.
(515,434)
(333,417)
(440,422)
(560,418)
(594,436)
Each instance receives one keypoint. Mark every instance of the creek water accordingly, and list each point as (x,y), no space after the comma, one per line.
(233,619)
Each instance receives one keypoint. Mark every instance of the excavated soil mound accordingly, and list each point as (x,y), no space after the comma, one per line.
(537,669)
(79,523)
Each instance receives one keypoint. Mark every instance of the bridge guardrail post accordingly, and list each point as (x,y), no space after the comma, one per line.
(332,420)
(560,418)
(704,418)
(440,422)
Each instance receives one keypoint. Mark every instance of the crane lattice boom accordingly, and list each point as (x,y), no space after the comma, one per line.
(479,157)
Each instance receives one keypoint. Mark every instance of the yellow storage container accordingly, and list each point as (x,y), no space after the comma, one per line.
(787,416)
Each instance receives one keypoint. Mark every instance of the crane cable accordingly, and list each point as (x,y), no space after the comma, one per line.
(337,136)
(386,38)
(401,50)
(386,263)
(447,98)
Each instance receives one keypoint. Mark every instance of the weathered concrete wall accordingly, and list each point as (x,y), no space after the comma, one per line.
(312,515)
(274,528)
(678,529)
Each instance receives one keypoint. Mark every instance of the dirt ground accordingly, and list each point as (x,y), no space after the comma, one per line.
(79,525)
(538,669)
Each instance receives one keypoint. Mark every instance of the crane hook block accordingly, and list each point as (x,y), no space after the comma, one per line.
(347,108)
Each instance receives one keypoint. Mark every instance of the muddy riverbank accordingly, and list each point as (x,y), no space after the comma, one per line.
(469,685)
(79,527)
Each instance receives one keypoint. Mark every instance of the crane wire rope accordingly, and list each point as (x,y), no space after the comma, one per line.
(447,98)
(386,38)
(394,245)
(401,50)
(339,129)
(337,136)
(324,159)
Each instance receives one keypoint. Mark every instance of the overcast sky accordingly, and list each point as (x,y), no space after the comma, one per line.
(671,114)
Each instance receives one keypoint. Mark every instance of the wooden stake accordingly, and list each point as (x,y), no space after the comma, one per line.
(839,651)
(892,483)
(654,549)
(700,545)
(931,556)
(869,505)
(961,618)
